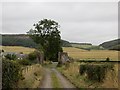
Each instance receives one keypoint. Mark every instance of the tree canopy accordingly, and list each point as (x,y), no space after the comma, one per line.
(47,35)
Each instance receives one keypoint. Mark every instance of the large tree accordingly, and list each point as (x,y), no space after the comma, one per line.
(47,35)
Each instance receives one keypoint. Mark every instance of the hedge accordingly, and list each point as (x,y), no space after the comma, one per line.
(10,73)
(95,72)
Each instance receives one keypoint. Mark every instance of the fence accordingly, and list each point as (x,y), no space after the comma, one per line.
(27,69)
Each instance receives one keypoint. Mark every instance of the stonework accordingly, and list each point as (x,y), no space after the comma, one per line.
(63,57)
(40,57)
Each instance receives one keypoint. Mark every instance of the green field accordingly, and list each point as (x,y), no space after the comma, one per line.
(81,46)
(88,47)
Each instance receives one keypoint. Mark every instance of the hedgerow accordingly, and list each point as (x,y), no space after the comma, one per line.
(10,73)
(95,72)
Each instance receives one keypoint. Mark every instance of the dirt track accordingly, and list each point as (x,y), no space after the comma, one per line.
(46,83)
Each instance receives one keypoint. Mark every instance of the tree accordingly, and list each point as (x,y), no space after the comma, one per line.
(46,34)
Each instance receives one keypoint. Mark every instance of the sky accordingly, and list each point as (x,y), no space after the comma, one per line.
(90,22)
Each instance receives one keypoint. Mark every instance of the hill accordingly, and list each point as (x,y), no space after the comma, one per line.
(17,40)
(23,40)
(112,45)
(86,46)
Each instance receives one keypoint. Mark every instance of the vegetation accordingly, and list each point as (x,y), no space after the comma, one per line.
(113,44)
(95,72)
(87,46)
(81,44)
(93,54)
(17,49)
(47,35)
(32,56)
(66,43)
(23,40)
(116,47)
(55,82)
(90,75)
(10,56)
(10,74)
(32,76)
(18,40)
(24,62)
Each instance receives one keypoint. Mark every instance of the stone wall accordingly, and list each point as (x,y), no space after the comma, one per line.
(63,57)
(40,57)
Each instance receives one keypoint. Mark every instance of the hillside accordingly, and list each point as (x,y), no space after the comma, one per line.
(112,45)
(17,40)
(86,46)
(23,40)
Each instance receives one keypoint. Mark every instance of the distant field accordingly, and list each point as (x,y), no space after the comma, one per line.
(88,47)
(17,49)
(81,46)
(93,54)
(72,52)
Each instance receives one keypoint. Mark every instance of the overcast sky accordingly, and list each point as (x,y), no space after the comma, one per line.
(92,22)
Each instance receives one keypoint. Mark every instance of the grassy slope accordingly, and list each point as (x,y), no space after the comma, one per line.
(93,54)
(112,44)
(17,49)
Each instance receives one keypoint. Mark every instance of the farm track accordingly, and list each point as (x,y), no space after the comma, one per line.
(64,82)
(47,81)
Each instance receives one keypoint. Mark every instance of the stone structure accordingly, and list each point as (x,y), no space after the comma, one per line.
(63,57)
(40,56)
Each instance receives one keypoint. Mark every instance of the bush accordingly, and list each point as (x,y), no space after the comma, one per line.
(107,59)
(10,74)
(82,69)
(32,56)
(95,72)
(11,56)
(24,62)
(59,64)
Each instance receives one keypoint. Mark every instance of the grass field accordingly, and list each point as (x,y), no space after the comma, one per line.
(72,52)
(17,49)
(81,46)
(93,54)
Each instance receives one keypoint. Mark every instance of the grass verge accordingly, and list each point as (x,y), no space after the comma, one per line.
(32,76)
(55,81)
(80,81)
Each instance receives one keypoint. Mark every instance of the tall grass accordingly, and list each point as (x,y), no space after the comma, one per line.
(81,81)
(32,76)
(93,54)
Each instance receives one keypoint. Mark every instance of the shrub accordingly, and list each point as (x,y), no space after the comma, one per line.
(3,50)
(82,69)
(59,64)
(95,72)
(107,59)
(11,56)
(32,56)
(10,74)
(24,62)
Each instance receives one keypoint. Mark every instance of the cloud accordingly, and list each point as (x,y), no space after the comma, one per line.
(79,21)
